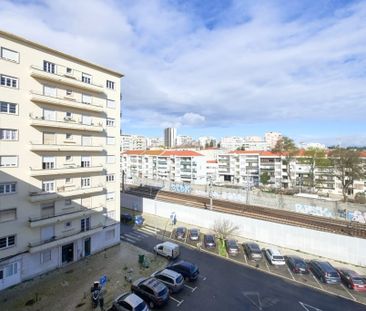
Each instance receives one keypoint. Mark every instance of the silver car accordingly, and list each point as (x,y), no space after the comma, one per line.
(173,280)
(128,302)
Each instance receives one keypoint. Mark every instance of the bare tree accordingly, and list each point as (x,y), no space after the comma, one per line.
(224,228)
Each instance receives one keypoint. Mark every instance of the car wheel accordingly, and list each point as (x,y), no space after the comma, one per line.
(151,304)
(323,279)
(349,286)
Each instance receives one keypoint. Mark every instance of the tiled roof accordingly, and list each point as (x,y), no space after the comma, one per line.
(181,153)
(211,161)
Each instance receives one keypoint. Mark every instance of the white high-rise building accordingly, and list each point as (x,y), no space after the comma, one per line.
(271,138)
(59,159)
(170,135)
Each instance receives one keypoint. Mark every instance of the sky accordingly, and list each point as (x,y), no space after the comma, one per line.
(215,67)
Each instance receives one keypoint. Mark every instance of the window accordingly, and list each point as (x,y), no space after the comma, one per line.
(111,104)
(46,256)
(86,78)
(85,224)
(8,108)
(69,70)
(85,161)
(48,210)
(8,215)
(68,202)
(110,235)
(111,159)
(49,91)
(86,140)
(49,138)
(8,188)
(111,140)
(48,163)
(9,81)
(8,161)
(68,116)
(110,196)
(68,158)
(9,270)
(109,177)
(7,241)
(48,233)
(8,134)
(49,114)
(68,224)
(68,136)
(86,120)
(86,99)
(68,92)
(110,122)
(49,67)
(85,182)
(68,180)
(48,186)
(110,85)
(10,55)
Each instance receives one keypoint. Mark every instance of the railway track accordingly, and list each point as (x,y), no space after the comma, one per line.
(262,213)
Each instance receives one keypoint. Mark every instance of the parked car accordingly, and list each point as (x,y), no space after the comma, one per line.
(172,279)
(194,234)
(180,233)
(126,218)
(151,290)
(252,251)
(139,220)
(187,269)
(274,257)
(297,264)
(352,279)
(129,302)
(232,247)
(324,271)
(209,241)
(167,249)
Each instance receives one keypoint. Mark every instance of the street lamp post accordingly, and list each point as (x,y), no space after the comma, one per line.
(210,193)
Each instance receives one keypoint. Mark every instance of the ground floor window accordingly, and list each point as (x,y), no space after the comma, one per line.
(9,270)
(110,235)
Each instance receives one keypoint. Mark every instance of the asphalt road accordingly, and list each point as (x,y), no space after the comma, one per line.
(225,285)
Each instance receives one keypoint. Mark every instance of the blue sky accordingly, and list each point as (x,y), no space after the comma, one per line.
(218,68)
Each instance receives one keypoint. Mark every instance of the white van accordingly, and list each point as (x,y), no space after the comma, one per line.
(167,249)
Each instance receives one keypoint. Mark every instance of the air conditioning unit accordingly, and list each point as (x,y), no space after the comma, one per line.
(67,118)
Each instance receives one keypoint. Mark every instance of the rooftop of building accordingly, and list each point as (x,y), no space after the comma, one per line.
(164,153)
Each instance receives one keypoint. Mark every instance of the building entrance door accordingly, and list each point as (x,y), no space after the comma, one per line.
(87,247)
(68,253)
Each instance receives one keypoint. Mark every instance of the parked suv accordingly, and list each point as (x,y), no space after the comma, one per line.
(352,279)
(151,290)
(173,280)
(187,269)
(129,302)
(209,241)
(324,271)
(252,251)
(274,257)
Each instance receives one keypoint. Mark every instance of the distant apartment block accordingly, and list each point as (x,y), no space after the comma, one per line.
(133,142)
(182,140)
(155,143)
(271,139)
(59,159)
(170,135)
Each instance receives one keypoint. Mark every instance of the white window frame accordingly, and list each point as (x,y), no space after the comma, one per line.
(85,182)
(49,67)
(85,224)
(9,81)
(111,140)
(5,108)
(49,114)
(13,58)
(8,188)
(48,135)
(48,163)
(111,103)
(110,196)
(7,238)
(110,85)
(86,78)
(85,161)
(110,177)
(49,91)
(86,99)
(110,159)
(49,186)
(4,215)
(46,256)
(8,161)
(8,134)
(86,120)
(111,122)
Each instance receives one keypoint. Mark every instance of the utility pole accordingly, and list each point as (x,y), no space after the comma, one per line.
(210,193)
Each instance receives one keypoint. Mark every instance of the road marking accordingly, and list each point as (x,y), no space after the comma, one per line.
(135,234)
(254,298)
(265,261)
(179,302)
(202,277)
(127,235)
(317,281)
(129,240)
(191,288)
(345,288)
(245,257)
(143,234)
(309,307)
(152,228)
(291,274)
(149,231)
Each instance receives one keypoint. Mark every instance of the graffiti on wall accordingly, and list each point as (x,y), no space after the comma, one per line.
(182,188)
(313,210)
(356,216)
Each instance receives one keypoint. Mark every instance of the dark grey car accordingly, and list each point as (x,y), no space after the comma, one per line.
(209,241)
(194,234)
(232,247)
(252,251)
(180,233)
(324,271)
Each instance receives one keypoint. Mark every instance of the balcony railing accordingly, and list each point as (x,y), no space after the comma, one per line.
(64,147)
(72,169)
(66,101)
(66,124)
(66,79)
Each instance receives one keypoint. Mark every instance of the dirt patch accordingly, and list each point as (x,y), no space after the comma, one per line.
(69,288)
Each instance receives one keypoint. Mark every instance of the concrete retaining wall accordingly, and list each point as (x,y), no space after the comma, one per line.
(339,247)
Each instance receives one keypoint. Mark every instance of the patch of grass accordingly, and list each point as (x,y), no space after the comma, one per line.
(222,248)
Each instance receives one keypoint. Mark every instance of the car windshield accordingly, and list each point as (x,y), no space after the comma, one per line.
(179,279)
(162,292)
(359,281)
(209,238)
(232,244)
(141,306)
(194,232)
(277,257)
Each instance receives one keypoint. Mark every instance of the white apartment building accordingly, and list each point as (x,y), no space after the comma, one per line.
(182,140)
(271,139)
(154,142)
(170,136)
(133,142)
(59,159)
(171,165)
(207,141)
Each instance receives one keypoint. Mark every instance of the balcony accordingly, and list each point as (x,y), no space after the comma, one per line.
(65,124)
(62,239)
(65,79)
(65,102)
(35,222)
(56,147)
(66,170)
(63,192)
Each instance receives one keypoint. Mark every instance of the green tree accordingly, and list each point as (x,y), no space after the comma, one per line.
(286,147)
(347,167)
(265,178)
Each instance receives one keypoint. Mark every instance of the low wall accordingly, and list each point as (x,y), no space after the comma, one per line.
(338,247)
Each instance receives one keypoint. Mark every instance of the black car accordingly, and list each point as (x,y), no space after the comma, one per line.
(297,264)
(126,218)
(209,241)
(187,269)
(180,233)
(232,247)
(252,251)
(324,271)
(151,290)
(194,234)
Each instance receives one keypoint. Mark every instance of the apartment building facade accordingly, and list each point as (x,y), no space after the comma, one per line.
(181,166)
(59,158)
(133,142)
